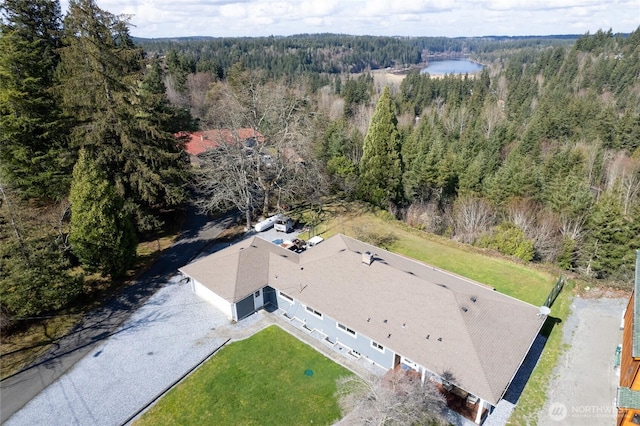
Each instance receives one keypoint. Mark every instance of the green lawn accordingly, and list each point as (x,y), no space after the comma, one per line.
(506,276)
(257,381)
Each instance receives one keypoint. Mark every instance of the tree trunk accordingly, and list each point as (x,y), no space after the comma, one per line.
(265,205)
(247,215)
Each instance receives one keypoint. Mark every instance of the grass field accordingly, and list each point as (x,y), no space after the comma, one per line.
(257,381)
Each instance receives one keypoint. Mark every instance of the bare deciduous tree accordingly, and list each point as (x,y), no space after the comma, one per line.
(398,398)
(426,216)
(278,161)
(502,88)
(362,118)
(60,224)
(623,178)
(538,225)
(492,115)
(523,212)
(545,235)
(198,86)
(175,96)
(572,227)
(226,179)
(472,217)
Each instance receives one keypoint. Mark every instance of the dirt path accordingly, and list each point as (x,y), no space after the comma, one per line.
(582,390)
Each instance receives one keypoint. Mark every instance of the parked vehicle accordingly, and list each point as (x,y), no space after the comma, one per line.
(315,240)
(283,224)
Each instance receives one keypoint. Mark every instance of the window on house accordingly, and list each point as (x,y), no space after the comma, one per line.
(378,346)
(346,329)
(289,298)
(314,312)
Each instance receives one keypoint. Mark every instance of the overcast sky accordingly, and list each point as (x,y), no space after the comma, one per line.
(450,18)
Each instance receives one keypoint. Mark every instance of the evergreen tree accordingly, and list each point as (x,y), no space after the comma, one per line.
(102,235)
(33,153)
(380,166)
(35,276)
(612,238)
(414,151)
(122,120)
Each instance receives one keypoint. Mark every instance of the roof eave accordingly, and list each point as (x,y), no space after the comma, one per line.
(504,391)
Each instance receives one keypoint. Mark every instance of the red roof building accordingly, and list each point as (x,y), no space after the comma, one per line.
(199,142)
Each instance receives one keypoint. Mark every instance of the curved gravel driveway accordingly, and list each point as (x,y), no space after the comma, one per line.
(117,319)
(159,343)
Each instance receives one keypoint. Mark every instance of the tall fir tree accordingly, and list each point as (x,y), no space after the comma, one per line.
(120,119)
(34,157)
(611,241)
(101,235)
(380,166)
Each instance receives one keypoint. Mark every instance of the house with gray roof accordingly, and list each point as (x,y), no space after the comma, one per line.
(389,309)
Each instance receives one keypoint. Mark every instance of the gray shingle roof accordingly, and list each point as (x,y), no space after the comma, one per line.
(442,321)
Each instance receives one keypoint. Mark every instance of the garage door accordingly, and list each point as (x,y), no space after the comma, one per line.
(245,307)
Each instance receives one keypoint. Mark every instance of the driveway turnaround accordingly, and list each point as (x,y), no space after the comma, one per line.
(15,391)
(161,341)
(583,385)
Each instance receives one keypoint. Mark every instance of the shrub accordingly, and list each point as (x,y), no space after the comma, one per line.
(508,239)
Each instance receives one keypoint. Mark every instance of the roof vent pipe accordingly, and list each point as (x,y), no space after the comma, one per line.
(367,258)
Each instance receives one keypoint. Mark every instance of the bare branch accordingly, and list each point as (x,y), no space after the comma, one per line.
(398,398)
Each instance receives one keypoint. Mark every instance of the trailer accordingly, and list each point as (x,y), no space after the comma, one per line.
(266,224)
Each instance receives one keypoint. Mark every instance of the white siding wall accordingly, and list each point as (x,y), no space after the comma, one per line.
(211,297)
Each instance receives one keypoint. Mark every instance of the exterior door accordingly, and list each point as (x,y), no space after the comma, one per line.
(258,298)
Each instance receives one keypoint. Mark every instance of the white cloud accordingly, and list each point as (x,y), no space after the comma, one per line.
(171,18)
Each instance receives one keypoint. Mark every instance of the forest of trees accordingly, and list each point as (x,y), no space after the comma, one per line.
(309,54)
(537,157)
(88,157)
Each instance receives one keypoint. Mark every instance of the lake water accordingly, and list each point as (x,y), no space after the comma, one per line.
(451,66)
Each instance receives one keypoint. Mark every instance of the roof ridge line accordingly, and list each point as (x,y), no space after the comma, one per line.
(470,338)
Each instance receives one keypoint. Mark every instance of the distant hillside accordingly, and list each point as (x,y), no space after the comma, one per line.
(328,53)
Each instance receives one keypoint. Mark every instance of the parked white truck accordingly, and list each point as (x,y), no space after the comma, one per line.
(283,224)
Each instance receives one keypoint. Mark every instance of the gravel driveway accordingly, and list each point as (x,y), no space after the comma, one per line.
(583,386)
(155,346)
